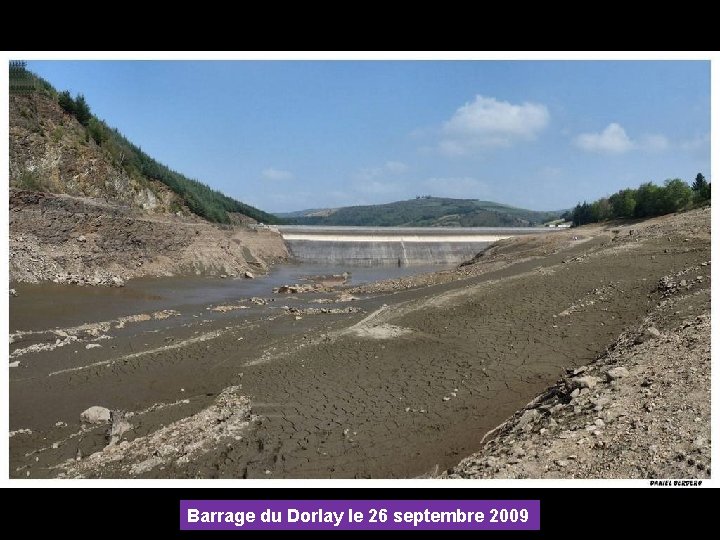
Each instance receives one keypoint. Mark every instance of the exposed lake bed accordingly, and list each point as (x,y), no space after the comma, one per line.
(421,368)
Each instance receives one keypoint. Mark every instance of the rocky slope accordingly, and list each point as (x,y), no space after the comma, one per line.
(50,151)
(85,207)
(641,410)
(88,241)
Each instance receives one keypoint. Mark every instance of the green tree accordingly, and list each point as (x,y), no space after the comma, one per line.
(66,101)
(701,189)
(623,203)
(96,130)
(648,200)
(600,210)
(582,214)
(82,110)
(700,183)
(675,196)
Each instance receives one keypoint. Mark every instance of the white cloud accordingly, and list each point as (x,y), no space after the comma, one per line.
(615,140)
(277,174)
(487,122)
(612,140)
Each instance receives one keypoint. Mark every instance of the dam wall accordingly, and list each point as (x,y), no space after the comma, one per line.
(378,246)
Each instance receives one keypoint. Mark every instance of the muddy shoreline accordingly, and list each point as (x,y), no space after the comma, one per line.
(422,369)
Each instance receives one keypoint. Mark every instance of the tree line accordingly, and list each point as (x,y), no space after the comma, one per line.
(648,200)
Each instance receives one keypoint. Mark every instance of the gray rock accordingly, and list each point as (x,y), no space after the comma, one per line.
(527,417)
(652,332)
(249,275)
(13,292)
(118,427)
(585,382)
(93,346)
(96,415)
(617,373)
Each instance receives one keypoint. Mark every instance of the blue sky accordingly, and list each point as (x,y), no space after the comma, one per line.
(291,135)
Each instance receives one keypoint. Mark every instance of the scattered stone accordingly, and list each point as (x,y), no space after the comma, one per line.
(446,398)
(13,292)
(249,275)
(118,427)
(586,382)
(93,346)
(527,417)
(96,415)
(81,238)
(16,363)
(617,373)
(652,332)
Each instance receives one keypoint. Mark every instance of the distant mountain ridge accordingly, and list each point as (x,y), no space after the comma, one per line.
(424,212)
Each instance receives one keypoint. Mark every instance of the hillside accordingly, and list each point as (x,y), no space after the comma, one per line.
(424,212)
(58,146)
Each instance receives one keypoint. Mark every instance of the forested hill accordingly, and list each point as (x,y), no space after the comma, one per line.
(58,145)
(425,212)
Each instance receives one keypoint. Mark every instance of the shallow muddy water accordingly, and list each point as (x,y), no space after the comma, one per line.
(49,305)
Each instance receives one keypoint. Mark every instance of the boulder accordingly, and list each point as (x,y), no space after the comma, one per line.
(617,373)
(652,332)
(249,275)
(586,382)
(96,415)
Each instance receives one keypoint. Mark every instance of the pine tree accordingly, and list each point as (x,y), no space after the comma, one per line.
(82,110)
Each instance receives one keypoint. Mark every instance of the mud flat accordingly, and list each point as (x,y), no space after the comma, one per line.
(407,383)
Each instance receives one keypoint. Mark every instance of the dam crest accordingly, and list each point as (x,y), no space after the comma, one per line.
(397,246)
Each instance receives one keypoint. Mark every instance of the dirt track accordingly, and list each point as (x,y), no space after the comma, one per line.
(409,387)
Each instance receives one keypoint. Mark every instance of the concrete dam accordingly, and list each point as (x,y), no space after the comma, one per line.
(399,246)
